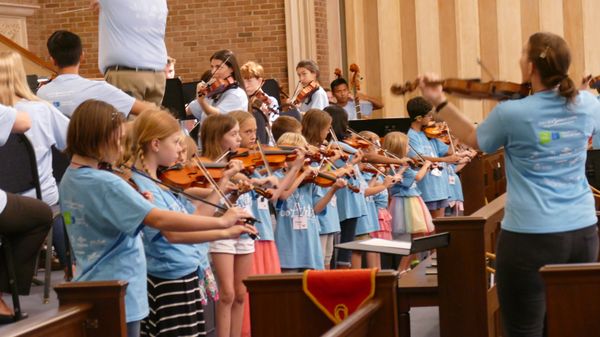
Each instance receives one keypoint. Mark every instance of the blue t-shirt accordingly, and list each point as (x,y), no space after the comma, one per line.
(408,186)
(132,34)
(545,142)
(381,198)
(434,186)
(351,205)
(169,260)
(231,100)
(329,220)
(103,217)
(456,193)
(369,222)
(366,108)
(260,209)
(7,120)
(318,100)
(297,230)
(66,92)
(48,128)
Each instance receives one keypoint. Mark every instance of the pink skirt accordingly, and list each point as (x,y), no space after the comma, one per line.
(385,225)
(265,261)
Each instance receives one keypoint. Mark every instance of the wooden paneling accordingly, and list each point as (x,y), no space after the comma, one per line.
(447,36)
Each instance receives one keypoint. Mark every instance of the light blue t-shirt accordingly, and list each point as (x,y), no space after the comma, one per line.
(434,186)
(7,120)
(456,193)
(48,128)
(103,217)
(329,220)
(351,205)
(318,100)
(132,34)
(369,222)
(164,259)
(231,100)
(260,210)
(408,186)
(366,108)
(66,92)
(381,198)
(297,230)
(545,142)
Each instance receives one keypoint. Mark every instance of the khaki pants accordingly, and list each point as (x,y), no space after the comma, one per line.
(143,85)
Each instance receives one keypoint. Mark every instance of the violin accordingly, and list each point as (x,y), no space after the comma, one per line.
(357,143)
(495,90)
(308,90)
(592,81)
(216,87)
(186,176)
(438,131)
(260,100)
(324,179)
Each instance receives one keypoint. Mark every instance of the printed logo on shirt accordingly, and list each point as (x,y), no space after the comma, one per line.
(68,218)
(56,104)
(548,136)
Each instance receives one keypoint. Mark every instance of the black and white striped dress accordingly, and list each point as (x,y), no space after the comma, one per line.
(175,307)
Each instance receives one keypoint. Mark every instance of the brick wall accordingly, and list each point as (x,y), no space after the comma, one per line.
(322,43)
(253,29)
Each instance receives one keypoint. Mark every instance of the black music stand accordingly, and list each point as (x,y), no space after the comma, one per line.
(592,168)
(381,126)
(173,99)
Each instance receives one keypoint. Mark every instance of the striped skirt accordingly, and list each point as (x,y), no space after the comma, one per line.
(175,307)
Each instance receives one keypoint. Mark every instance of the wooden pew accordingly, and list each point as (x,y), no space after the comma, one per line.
(358,324)
(86,309)
(416,289)
(483,180)
(468,307)
(279,307)
(572,293)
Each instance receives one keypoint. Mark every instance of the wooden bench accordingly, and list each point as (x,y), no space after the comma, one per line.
(86,309)
(572,299)
(279,307)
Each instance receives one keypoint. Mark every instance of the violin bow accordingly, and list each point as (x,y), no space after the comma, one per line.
(222,195)
(385,152)
(264,158)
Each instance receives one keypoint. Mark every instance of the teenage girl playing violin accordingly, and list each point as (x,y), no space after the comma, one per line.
(105,215)
(549,215)
(310,94)
(227,91)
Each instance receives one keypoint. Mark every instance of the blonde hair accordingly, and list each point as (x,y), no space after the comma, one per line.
(241,116)
(190,146)
(292,139)
(13,80)
(397,143)
(252,69)
(149,125)
(313,122)
(211,133)
(171,60)
(372,137)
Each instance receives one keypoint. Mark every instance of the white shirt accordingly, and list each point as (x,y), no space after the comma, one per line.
(66,92)
(7,120)
(318,100)
(230,100)
(48,128)
(132,34)
(366,108)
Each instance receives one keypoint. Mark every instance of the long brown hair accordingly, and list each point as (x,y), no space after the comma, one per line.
(313,122)
(229,58)
(93,130)
(212,131)
(551,56)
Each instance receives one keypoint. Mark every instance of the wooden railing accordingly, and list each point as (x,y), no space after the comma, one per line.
(359,324)
(572,293)
(468,303)
(483,180)
(279,307)
(86,309)
(32,63)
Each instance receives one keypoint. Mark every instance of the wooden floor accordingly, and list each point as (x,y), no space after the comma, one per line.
(424,321)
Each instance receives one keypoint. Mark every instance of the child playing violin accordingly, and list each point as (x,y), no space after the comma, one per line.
(227,91)
(264,107)
(180,280)
(315,128)
(311,95)
(409,212)
(104,215)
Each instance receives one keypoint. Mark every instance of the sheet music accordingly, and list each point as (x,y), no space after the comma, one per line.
(387,243)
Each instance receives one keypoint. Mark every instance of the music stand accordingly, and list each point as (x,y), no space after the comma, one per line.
(403,248)
(381,126)
(173,99)
(592,168)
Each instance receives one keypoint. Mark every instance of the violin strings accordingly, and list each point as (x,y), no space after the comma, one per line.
(264,158)
(213,183)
